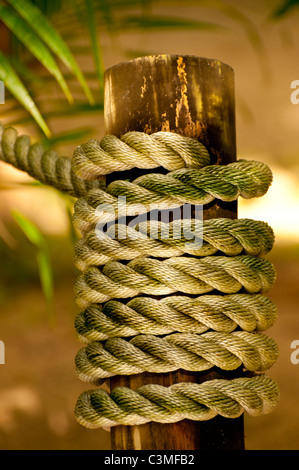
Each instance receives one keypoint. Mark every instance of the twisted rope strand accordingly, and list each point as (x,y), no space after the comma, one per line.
(45,166)
(191,352)
(247,179)
(175,314)
(177,274)
(228,398)
(122,242)
(138,150)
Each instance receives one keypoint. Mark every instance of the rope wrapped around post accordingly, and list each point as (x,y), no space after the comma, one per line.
(194,331)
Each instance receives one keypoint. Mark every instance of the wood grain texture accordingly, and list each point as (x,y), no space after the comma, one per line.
(194,97)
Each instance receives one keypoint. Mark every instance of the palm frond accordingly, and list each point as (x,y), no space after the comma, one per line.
(34,44)
(46,31)
(16,87)
(97,53)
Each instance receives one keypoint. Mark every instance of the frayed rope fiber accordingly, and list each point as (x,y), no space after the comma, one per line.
(213,311)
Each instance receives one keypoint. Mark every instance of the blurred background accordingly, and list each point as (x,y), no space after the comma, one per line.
(52,58)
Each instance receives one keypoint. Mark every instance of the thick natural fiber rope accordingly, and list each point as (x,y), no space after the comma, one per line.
(72,176)
(245,178)
(188,351)
(176,274)
(185,186)
(191,180)
(175,314)
(228,398)
(138,150)
(44,165)
(120,242)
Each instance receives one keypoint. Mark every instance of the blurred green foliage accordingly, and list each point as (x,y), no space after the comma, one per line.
(35,236)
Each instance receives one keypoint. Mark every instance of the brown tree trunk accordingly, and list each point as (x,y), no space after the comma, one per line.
(194,97)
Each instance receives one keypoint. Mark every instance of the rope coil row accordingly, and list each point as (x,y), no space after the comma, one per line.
(95,158)
(228,398)
(185,186)
(191,352)
(176,274)
(122,242)
(188,328)
(175,313)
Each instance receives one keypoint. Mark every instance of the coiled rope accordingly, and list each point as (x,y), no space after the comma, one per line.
(44,165)
(228,398)
(188,351)
(176,274)
(175,313)
(185,186)
(121,242)
(195,331)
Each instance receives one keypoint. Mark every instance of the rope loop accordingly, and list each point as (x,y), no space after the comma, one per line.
(211,274)
(201,402)
(138,150)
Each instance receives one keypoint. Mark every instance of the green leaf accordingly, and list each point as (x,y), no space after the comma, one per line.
(34,44)
(284,8)
(48,6)
(32,184)
(43,259)
(46,279)
(30,230)
(13,83)
(92,28)
(105,7)
(76,110)
(161,22)
(44,29)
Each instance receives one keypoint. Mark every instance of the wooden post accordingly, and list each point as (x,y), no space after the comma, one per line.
(194,97)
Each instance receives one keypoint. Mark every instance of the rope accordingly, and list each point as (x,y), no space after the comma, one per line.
(140,333)
(43,165)
(121,242)
(112,154)
(175,313)
(188,351)
(228,398)
(177,274)
(186,186)
(138,150)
